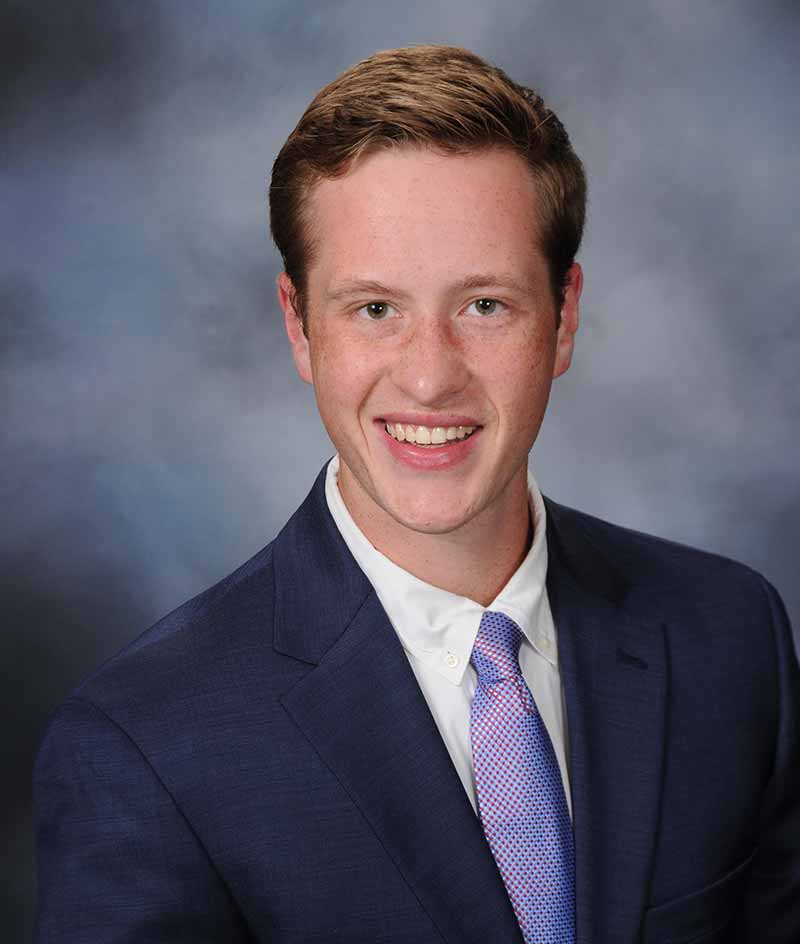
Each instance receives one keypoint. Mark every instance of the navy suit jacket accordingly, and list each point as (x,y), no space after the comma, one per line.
(262,766)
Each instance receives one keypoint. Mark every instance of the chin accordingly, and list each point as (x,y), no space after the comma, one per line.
(429,520)
(431,527)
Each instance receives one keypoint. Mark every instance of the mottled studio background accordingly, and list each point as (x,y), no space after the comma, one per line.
(153,432)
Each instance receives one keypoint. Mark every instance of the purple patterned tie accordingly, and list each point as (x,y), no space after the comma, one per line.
(521,798)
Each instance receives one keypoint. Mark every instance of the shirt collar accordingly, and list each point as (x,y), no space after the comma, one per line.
(437,627)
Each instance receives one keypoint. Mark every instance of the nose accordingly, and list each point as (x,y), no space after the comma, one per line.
(431,367)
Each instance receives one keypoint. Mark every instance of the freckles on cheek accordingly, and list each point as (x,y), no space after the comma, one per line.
(520,416)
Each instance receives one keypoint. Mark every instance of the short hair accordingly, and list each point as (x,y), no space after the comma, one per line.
(441,97)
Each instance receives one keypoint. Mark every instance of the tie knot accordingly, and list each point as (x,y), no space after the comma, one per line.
(495,654)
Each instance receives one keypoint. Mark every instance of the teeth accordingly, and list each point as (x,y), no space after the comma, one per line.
(426,435)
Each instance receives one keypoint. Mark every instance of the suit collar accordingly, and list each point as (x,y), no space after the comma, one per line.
(570,545)
(312,563)
(318,586)
(433,624)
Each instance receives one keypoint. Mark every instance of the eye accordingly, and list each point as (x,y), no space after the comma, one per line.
(375,311)
(486,306)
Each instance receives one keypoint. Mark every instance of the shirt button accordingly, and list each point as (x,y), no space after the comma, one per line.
(452,660)
(545,645)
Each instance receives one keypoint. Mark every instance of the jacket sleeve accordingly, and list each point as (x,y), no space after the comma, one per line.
(117,860)
(772,904)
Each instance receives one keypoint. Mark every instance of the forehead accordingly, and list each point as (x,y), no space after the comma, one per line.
(414,213)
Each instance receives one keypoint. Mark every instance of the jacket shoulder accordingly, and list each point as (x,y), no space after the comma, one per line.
(180,651)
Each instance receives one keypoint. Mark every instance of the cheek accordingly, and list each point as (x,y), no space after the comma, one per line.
(342,378)
(520,382)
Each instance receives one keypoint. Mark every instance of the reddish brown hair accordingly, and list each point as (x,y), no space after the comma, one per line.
(441,97)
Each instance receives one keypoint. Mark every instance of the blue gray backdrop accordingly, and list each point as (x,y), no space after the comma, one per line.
(154,434)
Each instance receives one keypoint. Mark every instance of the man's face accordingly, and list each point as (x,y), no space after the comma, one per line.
(429,310)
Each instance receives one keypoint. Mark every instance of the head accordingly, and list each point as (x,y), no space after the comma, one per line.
(428,211)
(442,98)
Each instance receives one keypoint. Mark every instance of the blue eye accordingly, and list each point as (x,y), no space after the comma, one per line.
(375,311)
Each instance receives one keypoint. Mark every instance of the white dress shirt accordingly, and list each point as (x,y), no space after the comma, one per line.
(437,630)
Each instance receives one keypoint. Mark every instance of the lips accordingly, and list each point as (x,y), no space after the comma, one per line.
(436,445)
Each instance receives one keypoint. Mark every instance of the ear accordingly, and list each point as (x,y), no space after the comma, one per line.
(294,328)
(568,325)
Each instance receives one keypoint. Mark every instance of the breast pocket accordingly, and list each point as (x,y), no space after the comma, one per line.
(703,917)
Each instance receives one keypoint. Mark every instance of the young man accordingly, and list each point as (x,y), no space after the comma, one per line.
(438,707)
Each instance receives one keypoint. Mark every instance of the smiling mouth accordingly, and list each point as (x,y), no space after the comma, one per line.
(434,437)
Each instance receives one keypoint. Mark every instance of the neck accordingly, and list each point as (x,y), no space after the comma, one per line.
(475,561)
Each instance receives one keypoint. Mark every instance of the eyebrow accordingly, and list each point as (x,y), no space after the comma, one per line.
(352,287)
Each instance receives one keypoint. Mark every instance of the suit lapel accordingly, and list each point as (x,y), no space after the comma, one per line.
(614,672)
(362,710)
